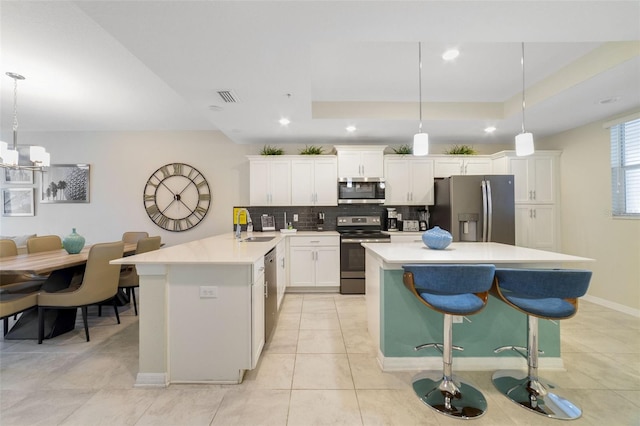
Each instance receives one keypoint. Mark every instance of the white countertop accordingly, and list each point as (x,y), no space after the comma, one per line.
(403,253)
(220,249)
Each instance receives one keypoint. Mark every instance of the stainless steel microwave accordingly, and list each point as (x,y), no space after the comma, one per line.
(361,190)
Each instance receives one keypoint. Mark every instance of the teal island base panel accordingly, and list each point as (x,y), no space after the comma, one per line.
(406,323)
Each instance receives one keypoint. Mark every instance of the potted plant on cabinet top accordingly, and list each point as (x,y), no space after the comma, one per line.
(403,150)
(311,150)
(461,150)
(271,150)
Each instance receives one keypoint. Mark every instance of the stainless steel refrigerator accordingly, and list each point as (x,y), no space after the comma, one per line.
(476,208)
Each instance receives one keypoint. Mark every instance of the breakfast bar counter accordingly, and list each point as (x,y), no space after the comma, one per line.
(397,322)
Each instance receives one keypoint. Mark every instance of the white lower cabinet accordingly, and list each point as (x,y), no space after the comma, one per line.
(314,261)
(535,226)
(281,274)
(257,312)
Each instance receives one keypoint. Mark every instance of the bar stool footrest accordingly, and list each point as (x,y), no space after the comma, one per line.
(534,395)
(462,401)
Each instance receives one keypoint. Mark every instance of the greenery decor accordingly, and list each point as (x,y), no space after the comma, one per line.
(271,150)
(311,150)
(403,149)
(461,150)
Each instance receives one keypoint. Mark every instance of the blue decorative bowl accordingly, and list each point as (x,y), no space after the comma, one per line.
(437,238)
(73,243)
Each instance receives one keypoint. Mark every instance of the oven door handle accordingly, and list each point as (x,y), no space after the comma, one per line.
(366,240)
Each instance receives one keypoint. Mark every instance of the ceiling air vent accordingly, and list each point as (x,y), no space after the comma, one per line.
(228,96)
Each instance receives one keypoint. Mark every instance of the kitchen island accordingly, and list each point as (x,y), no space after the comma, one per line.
(398,322)
(202,309)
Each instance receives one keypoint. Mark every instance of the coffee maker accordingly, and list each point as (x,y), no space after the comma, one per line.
(320,223)
(391,220)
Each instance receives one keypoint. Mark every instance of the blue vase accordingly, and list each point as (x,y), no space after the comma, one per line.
(73,243)
(437,238)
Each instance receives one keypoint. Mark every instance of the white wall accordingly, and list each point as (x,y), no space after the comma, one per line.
(121,163)
(588,228)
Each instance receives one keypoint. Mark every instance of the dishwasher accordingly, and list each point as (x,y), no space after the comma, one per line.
(270,293)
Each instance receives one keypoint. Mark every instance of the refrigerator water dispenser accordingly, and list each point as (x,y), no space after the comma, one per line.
(468,226)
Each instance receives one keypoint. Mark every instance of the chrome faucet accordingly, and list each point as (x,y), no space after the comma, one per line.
(238,221)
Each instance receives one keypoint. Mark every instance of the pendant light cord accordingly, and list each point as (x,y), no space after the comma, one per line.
(420,83)
(523,103)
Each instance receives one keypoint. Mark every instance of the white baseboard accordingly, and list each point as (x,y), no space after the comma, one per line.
(151,380)
(465,364)
(612,305)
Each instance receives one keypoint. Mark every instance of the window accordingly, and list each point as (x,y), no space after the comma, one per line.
(625,169)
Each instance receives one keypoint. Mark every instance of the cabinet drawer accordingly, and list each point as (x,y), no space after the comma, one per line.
(320,240)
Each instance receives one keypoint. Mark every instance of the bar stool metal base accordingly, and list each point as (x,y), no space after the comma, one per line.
(534,395)
(456,398)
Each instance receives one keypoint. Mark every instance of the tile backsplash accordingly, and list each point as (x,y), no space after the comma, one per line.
(308,216)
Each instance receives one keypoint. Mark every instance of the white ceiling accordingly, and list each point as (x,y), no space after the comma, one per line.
(157,65)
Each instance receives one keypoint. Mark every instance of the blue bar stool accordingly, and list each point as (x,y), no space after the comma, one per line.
(539,293)
(451,290)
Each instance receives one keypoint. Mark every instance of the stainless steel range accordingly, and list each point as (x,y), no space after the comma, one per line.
(353,231)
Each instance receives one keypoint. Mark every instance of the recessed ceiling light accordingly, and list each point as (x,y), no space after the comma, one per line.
(611,100)
(351,129)
(490,129)
(450,54)
(284,121)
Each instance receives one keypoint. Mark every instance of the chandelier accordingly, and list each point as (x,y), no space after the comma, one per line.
(10,157)
(420,139)
(524,140)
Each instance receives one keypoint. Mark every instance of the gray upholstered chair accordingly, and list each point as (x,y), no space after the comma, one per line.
(133,237)
(44,243)
(129,279)
(451,290)
(13,304)
(17,283)
(539,293)
(99,284)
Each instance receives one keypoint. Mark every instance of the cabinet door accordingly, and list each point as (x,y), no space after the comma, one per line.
(543,235)
(281,275)
(259,189)
(280,183)
(421,182)
(523,224)
(396,174)
(543,180)
(257,320)
(349,164)
(372,164)
(326,182)
(327,266)
(301,266)
(520,170)
(477,166)
(445,167)
(302,191)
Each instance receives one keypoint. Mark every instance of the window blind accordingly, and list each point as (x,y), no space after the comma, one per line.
(625,168)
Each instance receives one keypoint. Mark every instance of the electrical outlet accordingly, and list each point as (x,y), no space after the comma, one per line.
(295,217)
(208,292)
(458,319)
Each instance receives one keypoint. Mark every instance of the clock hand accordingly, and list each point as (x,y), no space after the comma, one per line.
(170,190)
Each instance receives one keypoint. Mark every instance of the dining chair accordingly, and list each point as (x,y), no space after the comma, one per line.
(17,283)
(13,304)
(131,237)
(129,279)
(44,243)
(99,284)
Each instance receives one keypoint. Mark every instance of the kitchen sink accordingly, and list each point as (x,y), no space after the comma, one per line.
(257,239)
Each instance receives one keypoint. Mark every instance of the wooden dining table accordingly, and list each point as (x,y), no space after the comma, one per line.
(60,266)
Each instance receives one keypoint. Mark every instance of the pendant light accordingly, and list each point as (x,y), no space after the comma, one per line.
(524,141)
(420,139)
(10,157)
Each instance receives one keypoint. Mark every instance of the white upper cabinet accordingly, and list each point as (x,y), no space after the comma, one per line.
(408,180)
(536,176)
(269,181)
(314,181)
(449,165)
(360,161)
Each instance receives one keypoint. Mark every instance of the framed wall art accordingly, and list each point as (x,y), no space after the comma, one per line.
(18,202)
(65,183)
(17,177)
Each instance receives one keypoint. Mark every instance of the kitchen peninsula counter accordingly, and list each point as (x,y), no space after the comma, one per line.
(202,309)
(398,322)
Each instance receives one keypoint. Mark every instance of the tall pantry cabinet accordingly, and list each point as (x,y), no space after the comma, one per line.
(537,189)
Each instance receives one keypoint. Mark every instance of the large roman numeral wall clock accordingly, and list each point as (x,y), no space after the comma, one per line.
(177,197)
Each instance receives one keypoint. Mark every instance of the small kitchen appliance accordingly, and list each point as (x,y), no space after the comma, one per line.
(320,224)
(410,226)
(391,220)
(268,223)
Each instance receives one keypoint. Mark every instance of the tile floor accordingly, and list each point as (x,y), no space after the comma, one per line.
(318,368)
